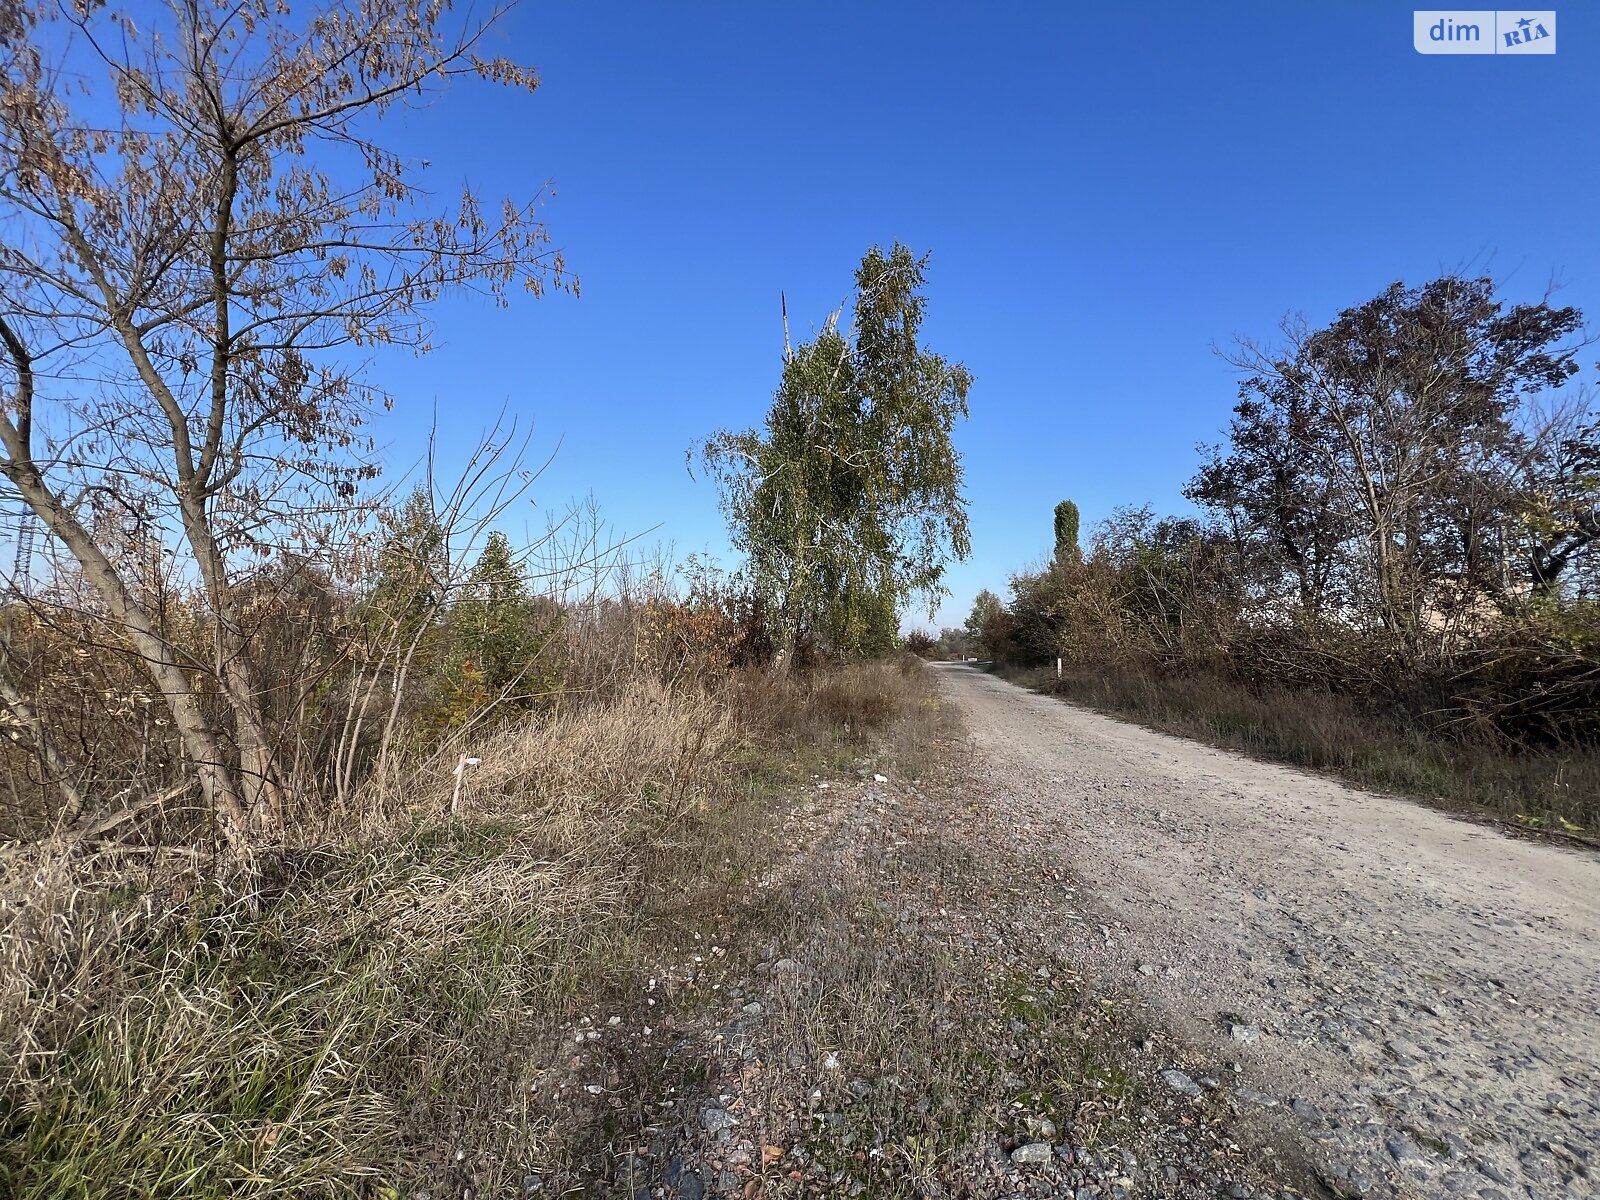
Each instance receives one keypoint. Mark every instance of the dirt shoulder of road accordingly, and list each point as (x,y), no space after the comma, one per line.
(908,1001)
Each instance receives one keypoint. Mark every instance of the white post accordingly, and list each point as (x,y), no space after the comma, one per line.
(1058,668)
(455,795)
(460,772)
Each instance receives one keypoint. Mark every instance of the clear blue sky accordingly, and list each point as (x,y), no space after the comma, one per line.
(1107,194)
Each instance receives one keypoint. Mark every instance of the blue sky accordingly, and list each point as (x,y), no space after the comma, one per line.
(1107,194)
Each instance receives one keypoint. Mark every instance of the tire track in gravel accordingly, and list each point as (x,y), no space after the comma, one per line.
(1413,999)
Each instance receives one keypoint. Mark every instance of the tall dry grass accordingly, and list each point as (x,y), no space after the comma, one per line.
(371,1008)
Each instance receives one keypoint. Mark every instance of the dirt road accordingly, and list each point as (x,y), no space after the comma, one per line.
(1413,999)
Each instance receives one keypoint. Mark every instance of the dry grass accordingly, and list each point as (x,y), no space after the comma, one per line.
(608,778)
(917,1018)
(346,1018)
(839,705)
(1546,790)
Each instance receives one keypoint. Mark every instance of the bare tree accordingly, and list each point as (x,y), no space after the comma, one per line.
(1279,504)
(1558,492)
(187,253)
(1397,429)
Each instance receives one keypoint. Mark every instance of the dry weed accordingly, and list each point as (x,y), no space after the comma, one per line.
(369,1011)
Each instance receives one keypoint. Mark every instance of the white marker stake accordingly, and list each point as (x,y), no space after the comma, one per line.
(460,772)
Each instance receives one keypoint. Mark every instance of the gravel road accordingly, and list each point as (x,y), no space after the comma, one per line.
(1412,1000)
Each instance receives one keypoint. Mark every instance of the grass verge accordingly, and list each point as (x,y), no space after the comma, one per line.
(393,1012)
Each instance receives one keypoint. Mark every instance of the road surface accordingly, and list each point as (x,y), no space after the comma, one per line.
(1413,999)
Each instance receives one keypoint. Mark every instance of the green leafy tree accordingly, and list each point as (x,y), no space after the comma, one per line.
(987,624)
(849,502)
(412,568)
(1067,550)
(500,630)
(952,645)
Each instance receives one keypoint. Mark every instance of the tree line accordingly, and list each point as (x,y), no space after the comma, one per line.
(1405,509)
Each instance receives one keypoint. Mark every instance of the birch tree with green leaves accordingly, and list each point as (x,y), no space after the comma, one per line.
(848,502)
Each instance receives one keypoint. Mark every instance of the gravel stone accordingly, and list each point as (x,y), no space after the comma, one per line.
(1400,1147)
(1417,975)
(1179,1082)
(718,1121)
(1034,1154)
(1494,1173)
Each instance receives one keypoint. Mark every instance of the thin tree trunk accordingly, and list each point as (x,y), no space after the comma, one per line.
(57,769)
(200,741)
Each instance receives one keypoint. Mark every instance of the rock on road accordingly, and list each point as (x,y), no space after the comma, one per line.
(1411,998)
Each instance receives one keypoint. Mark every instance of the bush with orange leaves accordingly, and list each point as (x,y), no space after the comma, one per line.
(716,626)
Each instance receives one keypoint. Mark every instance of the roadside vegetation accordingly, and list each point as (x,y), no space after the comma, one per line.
(1394,574)
(848,502)
(330,813)
(374,1007)
(349,848)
